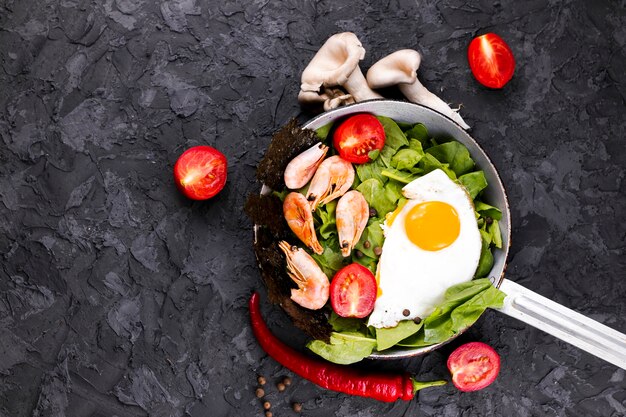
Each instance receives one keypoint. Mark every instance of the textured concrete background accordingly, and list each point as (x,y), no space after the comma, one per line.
(118,297)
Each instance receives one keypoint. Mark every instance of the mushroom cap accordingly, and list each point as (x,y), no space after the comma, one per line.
(399,67)
(333,63)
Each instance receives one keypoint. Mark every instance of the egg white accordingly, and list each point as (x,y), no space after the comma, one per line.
(414,279)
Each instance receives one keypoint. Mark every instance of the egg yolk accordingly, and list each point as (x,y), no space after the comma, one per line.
(432,225)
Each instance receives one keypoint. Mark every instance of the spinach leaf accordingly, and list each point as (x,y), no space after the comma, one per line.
(344,348)
(345,324)
(331,259)
(373,233)
(394,137)
(429,163)
(418,132)
(372,170)
(323,131)
(485,262)
(496,236)
(455,154)
(393,190)
(469,298)
(485,210)
(386,338)
(474,182)
(406,158)
(373,154)
(326,217)
(376,197)
(467,313)
(416,145)
(400,176)
(366,261)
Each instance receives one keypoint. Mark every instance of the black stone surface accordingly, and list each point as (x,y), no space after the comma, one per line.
(119,297)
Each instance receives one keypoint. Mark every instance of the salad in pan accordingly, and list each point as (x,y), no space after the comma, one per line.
(374,235)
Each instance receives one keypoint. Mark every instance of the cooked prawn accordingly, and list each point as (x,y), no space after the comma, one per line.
(301,168)
(298,214)
(351,216)
(332,179)
(313,284)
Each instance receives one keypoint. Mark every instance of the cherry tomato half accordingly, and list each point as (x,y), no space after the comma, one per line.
(200,172)
(491,60)
(357,136)
(473,366)
(353,291)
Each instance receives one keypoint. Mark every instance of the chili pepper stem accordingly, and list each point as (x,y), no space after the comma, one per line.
(418,385)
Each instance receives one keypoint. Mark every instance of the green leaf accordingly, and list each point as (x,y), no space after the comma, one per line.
(393,190)
(406,158)
(467,313)
(325,215)
(376,197)
(419,133)
(429,163)
(345,324)
(394,137)
(474,182)
(371,170)
(496,236)
(485,262)
(331,259)
(388,337)
(400,176)
(373,234)
(282,195)
(373,154)
(344,348)
(455,154)
(440,326)
(416,145)
(366,261)
(485,210)
(323,131)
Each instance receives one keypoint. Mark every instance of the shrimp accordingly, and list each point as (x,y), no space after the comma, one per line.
(298,214)
(351,216)
(313,284)
(301,168)
(331,180)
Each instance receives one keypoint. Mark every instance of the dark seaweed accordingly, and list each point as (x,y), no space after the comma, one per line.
(267,210)
(273,268)
(288,142)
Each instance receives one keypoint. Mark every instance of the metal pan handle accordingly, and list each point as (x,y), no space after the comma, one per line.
(566,324)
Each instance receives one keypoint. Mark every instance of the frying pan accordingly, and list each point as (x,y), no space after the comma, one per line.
(520,303)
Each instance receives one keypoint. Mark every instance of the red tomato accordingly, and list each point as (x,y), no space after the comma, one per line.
(353,291)
(358,135)
(200,172)
(473,366)
(491,60)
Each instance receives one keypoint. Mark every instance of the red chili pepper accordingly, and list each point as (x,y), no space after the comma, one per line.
(380,386)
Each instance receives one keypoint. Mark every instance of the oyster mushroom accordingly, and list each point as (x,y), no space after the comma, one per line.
(336,64)
(400,68)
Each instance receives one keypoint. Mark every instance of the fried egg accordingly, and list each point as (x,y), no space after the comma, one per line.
(431,243)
